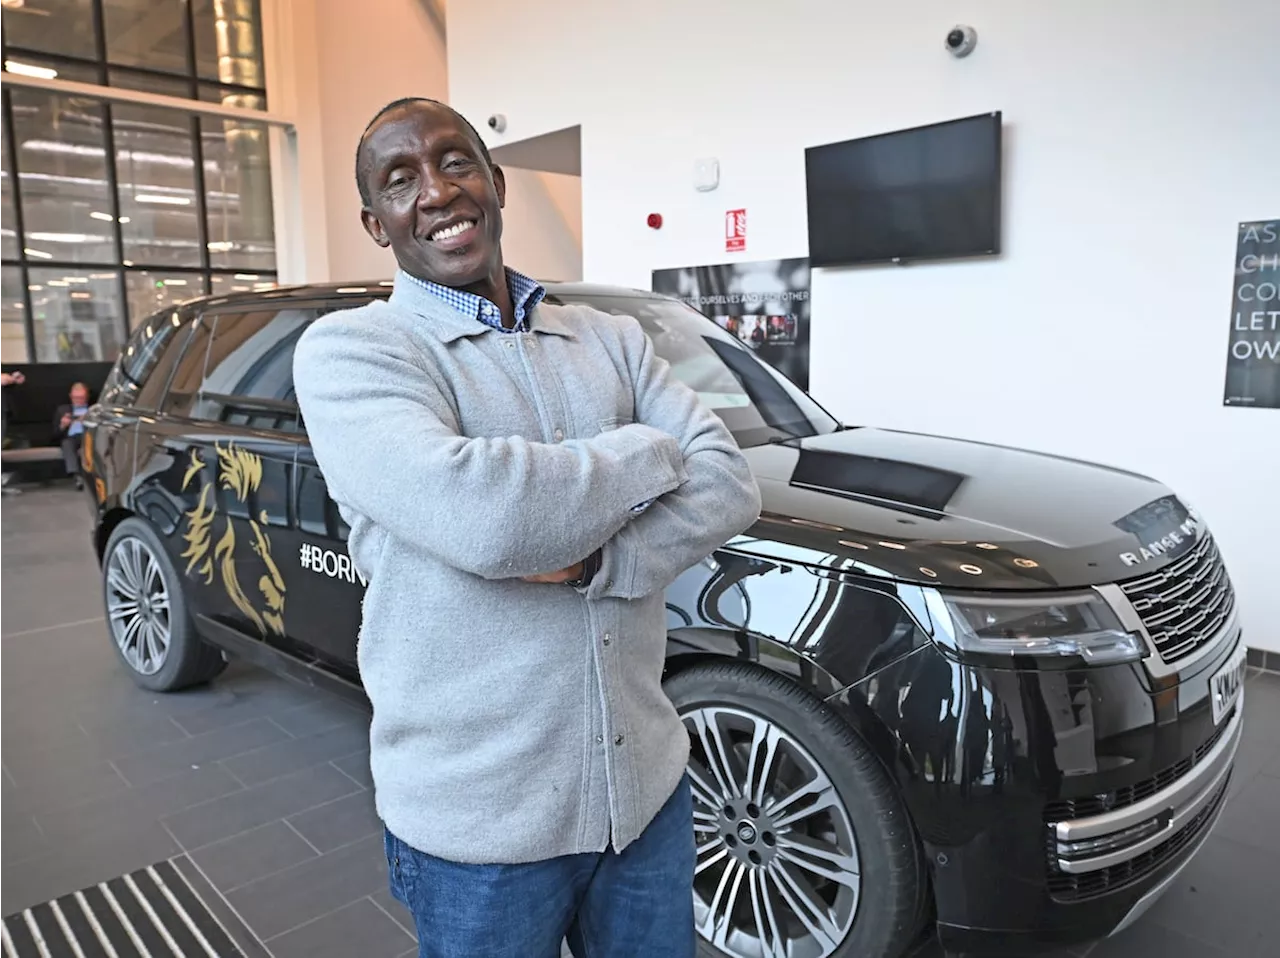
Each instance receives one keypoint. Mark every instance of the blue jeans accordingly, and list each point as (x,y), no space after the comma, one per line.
(637,904)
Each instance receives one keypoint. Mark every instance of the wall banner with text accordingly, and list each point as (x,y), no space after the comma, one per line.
(764,304)
(1253,356)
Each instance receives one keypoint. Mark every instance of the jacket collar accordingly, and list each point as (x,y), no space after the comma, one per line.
(450,325)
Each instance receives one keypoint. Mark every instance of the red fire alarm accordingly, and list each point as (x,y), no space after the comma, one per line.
(655,221)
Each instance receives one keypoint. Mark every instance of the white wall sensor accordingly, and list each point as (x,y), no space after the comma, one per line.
(706,174)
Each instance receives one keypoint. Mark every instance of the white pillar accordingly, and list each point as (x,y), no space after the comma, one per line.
(297,164)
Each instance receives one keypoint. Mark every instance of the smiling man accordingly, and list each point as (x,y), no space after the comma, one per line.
(522,482)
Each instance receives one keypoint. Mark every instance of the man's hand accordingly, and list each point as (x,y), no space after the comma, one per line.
(558,578)
(66,420)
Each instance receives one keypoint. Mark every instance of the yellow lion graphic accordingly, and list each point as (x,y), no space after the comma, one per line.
(240,473)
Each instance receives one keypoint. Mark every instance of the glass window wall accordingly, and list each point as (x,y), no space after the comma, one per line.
(156,180)
(238,195)
(76,314)
(147,33)
(59,145)
(63,27)
(227,38)
(13,323)
(114,210)
(150,291)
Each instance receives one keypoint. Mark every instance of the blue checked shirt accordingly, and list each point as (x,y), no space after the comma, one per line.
(526,293)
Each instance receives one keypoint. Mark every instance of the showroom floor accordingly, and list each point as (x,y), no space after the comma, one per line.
(252,799)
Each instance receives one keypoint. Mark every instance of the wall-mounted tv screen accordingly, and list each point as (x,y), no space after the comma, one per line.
(931,192)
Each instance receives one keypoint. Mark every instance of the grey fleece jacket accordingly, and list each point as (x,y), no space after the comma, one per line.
(515,722)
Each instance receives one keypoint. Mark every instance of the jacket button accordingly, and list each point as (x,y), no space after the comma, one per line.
(618,740)
(559,435)
(607,638)
(599,739)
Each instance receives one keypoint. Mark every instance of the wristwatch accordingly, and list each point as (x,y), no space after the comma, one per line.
(590,566)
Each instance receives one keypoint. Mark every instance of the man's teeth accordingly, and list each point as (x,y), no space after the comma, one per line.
(453,230)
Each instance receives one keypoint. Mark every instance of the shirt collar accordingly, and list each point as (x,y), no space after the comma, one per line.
(479,313)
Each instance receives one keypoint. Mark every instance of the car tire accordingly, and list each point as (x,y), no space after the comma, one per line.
(147,613)
(746,707)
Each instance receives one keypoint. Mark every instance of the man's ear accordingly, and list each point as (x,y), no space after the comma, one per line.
(500,186)
(373,226)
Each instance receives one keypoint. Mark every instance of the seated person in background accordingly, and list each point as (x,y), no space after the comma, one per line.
(68,426)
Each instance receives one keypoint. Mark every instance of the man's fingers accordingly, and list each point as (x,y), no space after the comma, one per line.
(551,578)
(556,578)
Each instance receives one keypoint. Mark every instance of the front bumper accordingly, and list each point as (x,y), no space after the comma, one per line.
(1101,894)
(1083,847)
(1056,806)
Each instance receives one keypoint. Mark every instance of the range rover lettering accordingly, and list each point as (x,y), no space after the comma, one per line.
(939,683)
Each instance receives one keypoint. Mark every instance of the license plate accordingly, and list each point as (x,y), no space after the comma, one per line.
(1227,685)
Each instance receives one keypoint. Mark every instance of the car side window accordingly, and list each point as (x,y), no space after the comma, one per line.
(187,374)
(335,306)
(248,376)
(317,513)
(148,360)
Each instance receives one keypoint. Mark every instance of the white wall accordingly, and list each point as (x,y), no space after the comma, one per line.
(369,54)
(289,30)
(332,82)
(542,224)
(1138,135)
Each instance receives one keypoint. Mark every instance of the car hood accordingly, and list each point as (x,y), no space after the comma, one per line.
(961,514)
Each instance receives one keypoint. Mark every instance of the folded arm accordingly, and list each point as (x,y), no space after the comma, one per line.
(682,527)
(387,441)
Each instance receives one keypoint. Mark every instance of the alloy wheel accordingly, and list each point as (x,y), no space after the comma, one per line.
(138,605)
(777,874)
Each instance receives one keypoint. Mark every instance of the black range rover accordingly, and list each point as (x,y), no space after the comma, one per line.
(939,681)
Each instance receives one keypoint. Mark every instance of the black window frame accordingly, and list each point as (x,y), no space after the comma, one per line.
(101,62)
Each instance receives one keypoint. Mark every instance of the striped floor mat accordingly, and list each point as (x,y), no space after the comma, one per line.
(152,913)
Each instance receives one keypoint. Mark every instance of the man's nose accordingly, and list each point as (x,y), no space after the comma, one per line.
(436,191)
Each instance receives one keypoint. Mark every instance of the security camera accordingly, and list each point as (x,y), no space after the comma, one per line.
(961,40)
(497,123)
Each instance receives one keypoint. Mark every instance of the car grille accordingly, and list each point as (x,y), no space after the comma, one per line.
(1185,604)
(1075,888)
(1116,799)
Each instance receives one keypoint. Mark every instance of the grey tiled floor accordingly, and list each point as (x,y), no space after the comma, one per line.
(260,784)
(263,786)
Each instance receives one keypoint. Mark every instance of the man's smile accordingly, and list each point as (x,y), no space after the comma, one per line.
(455,235)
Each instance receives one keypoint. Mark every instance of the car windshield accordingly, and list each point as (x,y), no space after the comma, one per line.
(756,402)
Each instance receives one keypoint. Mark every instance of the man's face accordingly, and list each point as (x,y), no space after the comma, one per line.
(433,198)
(79,396)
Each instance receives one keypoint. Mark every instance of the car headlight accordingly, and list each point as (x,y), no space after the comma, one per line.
(1077,625)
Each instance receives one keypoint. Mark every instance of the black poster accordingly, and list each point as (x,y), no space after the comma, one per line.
(1253,357)
(764,304)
